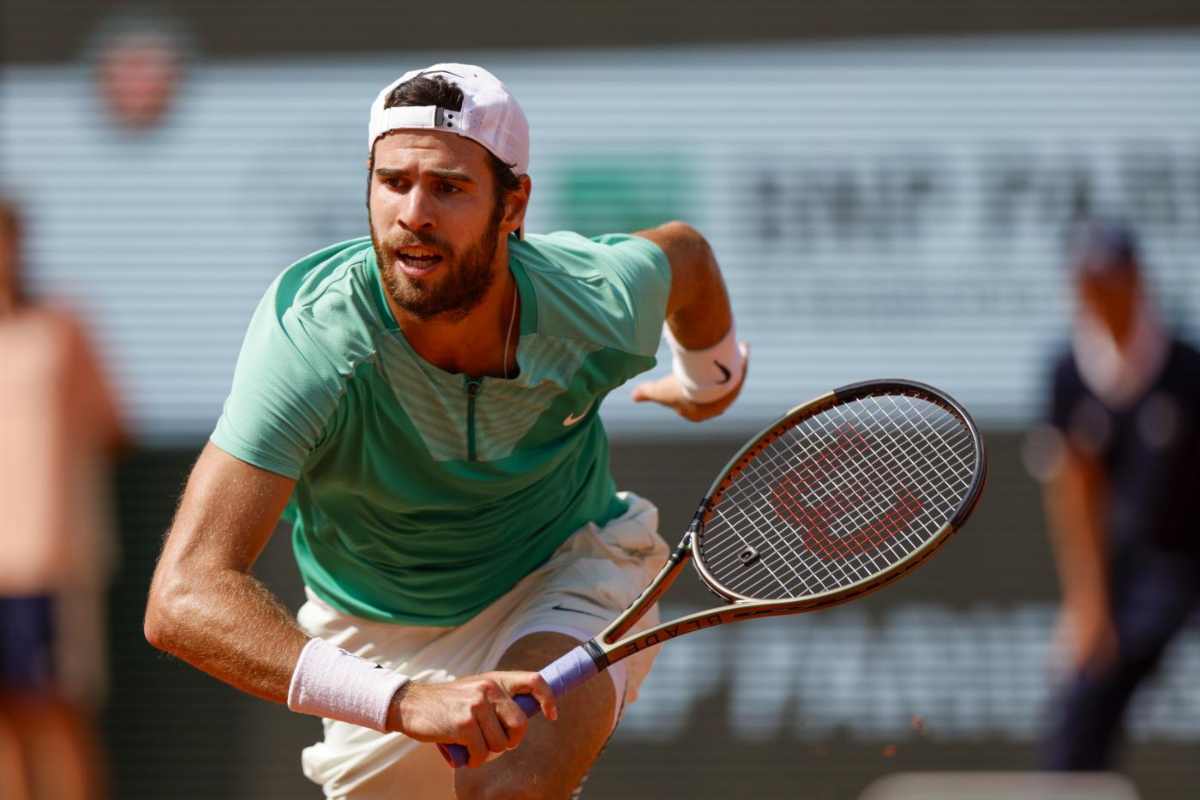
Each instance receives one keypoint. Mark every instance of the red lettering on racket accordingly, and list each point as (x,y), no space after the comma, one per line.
(815,517)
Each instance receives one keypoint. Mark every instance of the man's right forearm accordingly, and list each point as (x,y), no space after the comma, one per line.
(227,624)
(204,605)
(206,608)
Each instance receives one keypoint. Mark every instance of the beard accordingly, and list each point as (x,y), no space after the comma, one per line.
(464,281)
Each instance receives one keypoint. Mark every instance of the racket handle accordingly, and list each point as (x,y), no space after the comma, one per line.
(563,675)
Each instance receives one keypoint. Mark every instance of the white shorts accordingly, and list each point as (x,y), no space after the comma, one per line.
(596,574)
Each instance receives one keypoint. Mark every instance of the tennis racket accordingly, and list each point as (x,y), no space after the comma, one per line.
(837,498)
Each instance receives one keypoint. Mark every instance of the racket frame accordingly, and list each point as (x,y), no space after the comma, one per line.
(608,647)
(596,655)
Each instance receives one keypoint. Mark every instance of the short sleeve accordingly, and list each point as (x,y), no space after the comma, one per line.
(283,393)
(610,291)
(1076,414)
(641,274)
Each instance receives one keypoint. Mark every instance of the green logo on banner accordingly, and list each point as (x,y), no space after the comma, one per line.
(616,194)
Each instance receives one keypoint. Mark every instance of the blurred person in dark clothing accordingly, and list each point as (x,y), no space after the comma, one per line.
(58,427)
(1122,494)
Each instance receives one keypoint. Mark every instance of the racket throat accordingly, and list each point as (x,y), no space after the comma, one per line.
(599,657)
(649,596)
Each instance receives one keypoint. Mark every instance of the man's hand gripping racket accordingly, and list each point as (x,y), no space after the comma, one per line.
(839,497)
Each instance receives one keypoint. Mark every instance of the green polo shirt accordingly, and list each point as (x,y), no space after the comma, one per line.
(423,495)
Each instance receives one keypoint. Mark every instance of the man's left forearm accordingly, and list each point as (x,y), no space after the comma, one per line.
(698,310)
(708,362)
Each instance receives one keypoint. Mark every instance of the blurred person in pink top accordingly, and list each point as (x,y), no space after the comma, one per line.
(59,427)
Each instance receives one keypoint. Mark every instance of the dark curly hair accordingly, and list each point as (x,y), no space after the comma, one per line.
(435,90)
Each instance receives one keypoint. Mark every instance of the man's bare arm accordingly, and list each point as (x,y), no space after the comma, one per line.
(698,309)
(698,313)
(1075,497)
(205,607)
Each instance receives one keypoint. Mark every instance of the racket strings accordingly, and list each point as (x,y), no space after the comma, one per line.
(838,497)
(821,540)
(876,535)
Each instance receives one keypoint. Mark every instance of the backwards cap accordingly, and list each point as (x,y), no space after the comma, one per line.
(489,114)
(1099,247)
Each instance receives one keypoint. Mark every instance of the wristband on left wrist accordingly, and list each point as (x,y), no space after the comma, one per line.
(708,375)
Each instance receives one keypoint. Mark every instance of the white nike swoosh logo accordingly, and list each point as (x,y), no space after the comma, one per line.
(573,418)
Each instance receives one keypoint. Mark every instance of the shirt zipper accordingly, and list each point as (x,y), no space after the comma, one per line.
(473,387)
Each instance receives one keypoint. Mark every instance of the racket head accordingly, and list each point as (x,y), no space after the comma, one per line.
(840,496)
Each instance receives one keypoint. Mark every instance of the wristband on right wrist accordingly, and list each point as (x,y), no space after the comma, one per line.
(329,682)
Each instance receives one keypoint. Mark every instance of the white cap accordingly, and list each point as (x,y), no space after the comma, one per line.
(489,115)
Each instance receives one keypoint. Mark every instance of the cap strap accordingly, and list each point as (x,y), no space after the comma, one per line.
(399,117)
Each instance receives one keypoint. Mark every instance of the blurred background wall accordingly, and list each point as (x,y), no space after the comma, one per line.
(886,186)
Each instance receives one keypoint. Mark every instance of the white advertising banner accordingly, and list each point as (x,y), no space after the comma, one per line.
(880,209)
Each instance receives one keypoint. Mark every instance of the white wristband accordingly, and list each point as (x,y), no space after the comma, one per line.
(329,682)
(710,374)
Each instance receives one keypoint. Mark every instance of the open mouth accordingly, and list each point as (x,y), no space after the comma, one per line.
(414,262)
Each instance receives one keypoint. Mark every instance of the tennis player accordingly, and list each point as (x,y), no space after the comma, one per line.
(422,407)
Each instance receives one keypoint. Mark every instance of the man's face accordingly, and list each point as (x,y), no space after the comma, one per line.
(1111,296)
(435,221)
(138,80)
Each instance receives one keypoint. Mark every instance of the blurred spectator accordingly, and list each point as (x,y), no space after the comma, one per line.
(140,169)
(58,426)
(1121,464)
(139,56)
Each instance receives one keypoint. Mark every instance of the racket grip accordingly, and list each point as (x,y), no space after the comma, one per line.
(563,675)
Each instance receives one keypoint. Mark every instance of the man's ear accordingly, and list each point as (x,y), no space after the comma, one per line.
(370,167)
(516,203)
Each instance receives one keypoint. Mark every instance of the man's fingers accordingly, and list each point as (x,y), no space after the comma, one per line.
(669,392)
(494,735)
(531,683)
(544,695)
(471,738)
(513,718)
(478,712)
(663,390)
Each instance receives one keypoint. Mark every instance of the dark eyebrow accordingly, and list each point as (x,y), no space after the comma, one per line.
(444,174)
